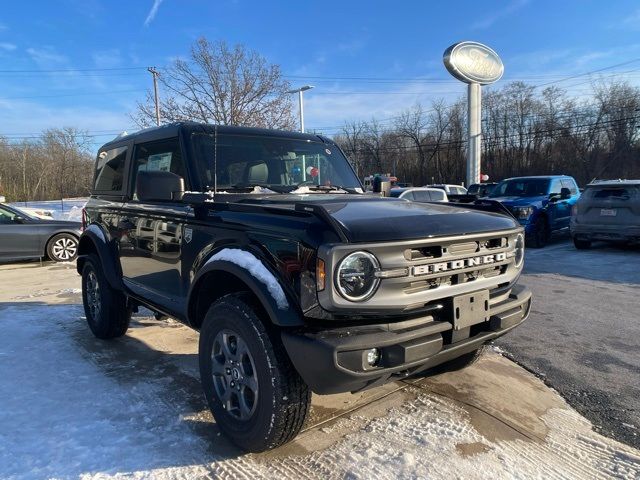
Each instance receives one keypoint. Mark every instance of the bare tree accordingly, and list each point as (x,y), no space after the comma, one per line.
(224,85)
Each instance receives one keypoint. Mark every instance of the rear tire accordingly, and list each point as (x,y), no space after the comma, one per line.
(105,307)
(582,244)
(258,399)
(540,235)
(62,248)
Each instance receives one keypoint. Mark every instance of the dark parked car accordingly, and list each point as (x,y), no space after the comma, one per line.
(481,190)
(297,281)
(609,211)
(541,204)
(23,236)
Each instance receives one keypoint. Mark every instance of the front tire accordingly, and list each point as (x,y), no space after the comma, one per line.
(258,399)
(540,235)
(105,307)
(62,248)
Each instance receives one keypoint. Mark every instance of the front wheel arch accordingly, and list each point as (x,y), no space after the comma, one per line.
(221,278)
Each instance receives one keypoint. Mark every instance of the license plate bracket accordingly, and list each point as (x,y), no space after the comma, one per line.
(470,309)
(608,212)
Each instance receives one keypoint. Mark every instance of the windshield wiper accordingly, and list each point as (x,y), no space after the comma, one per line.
(327,188)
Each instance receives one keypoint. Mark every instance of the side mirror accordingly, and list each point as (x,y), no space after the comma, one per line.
(565,193)
(159,186)
(18,219)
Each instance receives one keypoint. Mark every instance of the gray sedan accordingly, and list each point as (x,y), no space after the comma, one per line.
(23,236)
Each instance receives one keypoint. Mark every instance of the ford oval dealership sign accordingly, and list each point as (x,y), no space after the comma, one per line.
(473,62)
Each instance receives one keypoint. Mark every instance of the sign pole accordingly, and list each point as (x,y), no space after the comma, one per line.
(474,104)
(474,64)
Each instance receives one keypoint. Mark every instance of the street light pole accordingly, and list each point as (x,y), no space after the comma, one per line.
(301,103)
(155,74)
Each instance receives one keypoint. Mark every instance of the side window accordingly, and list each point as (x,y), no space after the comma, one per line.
(421,196)
(408,196)
(161,156)
(110,170)
(6,217)
(571,185)
(556,186)
(436,196)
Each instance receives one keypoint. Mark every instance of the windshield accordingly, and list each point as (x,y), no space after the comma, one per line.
(280,164)
(522,187)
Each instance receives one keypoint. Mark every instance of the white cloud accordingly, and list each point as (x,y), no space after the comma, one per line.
(9,47)
(152,12)
(46,56)
(489,20)
(107,58)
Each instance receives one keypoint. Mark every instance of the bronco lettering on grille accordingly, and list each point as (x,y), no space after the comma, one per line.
(459,264)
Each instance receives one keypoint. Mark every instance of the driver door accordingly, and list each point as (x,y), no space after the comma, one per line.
(19,237)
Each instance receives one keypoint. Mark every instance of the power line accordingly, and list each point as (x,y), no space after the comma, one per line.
(71,95)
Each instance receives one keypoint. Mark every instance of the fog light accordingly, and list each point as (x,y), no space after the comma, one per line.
(373,355)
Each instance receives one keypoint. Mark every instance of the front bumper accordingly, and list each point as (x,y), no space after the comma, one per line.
(333,361)
(621,233)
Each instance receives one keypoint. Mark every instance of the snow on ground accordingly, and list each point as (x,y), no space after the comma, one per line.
(75,407)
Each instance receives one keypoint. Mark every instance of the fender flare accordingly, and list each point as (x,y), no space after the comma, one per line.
(94,240)
(283,317)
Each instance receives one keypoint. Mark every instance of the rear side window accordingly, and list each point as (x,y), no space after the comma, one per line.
(436,196)
(110,170)
(421,196)
(163,156)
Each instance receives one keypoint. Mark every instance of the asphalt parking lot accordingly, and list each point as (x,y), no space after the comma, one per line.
(583,334)
(98,402)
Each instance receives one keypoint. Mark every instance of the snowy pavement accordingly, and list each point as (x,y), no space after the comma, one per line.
(72,406)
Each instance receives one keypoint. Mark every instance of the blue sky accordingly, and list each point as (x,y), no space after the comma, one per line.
(399,42)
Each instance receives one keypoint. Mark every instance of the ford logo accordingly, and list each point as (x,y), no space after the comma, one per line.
(473,62)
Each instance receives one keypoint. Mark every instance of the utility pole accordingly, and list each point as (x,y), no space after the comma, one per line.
(155,74)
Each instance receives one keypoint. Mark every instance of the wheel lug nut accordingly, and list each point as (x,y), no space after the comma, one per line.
(228,371)
(233,384)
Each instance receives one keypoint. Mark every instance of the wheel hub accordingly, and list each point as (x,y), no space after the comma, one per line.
(234,374)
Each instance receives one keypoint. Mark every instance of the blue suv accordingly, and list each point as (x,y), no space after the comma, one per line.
(542,205)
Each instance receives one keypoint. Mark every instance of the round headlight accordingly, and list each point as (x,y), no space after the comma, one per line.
(355,276)
(519,250)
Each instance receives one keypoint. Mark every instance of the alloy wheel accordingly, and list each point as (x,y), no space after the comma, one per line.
(92,288)
(234,375)
(64,249)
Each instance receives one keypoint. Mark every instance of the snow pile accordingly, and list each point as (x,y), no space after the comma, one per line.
(306,190)
(75,407)
(249,262)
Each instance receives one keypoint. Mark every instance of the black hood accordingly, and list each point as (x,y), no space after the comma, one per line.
(374,219)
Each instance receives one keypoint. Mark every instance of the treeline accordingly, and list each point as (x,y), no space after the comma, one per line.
(57,164)
(525,131)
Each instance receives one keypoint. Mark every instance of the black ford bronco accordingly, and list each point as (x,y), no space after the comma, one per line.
(297,281)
